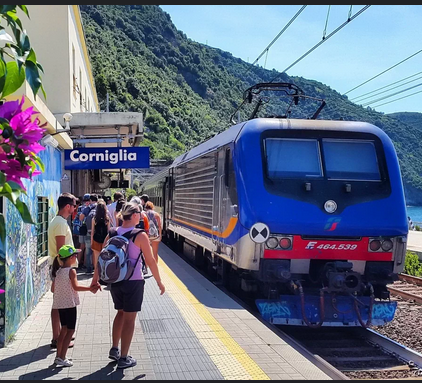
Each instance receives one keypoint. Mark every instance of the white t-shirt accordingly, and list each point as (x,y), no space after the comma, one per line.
(111,209)
(58,227)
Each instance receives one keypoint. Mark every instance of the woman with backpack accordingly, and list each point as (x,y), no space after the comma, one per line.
(154,231)
(99,231)
(128,294)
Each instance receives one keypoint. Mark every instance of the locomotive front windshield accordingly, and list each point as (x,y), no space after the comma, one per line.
(335,159)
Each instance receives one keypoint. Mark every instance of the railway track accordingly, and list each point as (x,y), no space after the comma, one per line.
(407,287)
(359,353)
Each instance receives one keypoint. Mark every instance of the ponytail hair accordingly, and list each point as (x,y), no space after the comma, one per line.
(57,264)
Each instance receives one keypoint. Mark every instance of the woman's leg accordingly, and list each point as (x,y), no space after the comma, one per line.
(95,254)
(127,331)
(117,328)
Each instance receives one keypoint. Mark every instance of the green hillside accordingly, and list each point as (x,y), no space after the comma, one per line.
(188,91)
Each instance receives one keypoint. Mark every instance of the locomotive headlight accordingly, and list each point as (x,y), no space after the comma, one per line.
(375,245)
(330,206)
(387,245)
(285,243)
(272,242)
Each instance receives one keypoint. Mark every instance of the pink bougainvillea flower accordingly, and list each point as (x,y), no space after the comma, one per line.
(27,133)
(9,109)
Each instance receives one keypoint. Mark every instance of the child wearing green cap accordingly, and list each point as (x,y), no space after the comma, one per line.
(65,289)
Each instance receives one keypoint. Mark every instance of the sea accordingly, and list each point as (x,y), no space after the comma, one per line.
(415,214)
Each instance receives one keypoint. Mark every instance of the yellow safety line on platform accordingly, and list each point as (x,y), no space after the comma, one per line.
(221,347)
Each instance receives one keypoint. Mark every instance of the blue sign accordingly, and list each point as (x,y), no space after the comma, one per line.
(106,158)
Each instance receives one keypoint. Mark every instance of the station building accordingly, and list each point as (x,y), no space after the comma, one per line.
(73,120)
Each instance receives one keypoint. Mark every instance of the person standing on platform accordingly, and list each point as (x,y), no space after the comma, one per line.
(112,208)
(86,217)
(155,228)
(128,294)
(144,200)
(59,234)
(82,254)
(65,289)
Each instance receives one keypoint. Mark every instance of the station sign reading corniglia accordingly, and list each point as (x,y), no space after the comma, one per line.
(106,158)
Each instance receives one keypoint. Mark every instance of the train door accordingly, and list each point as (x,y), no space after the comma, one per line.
(221,199)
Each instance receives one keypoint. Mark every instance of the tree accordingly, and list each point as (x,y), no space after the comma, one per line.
(20,132)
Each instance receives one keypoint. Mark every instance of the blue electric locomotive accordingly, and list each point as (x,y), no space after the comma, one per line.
(307,215)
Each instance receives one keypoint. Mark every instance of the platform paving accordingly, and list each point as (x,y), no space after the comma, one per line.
(192,332)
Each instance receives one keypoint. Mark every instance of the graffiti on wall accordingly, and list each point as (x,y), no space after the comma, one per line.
(25,278)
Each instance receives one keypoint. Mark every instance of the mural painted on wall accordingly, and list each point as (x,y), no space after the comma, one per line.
(26,281)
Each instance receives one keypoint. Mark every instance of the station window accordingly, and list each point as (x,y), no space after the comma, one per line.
(42,227)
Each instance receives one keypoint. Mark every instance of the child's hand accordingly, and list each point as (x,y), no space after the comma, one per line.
(94,288)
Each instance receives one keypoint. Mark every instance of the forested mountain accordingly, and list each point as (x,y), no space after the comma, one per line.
(188,91)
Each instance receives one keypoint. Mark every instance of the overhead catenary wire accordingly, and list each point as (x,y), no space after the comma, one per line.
(276,38)
(322,41)
(400,98)
(391,95)
(385,86)
(379,74)
(387,90)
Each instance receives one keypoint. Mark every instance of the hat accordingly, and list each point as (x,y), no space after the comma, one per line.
(68,250)
(87,197)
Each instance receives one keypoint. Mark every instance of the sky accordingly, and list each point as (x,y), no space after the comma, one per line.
(381,38)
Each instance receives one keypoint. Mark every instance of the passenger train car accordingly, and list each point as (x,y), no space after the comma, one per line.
(306,215)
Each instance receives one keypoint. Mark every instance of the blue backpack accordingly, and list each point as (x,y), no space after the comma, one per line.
(113,262)
(76,223)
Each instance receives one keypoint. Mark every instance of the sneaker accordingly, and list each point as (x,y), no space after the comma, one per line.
(114,353)
(63,362)
(125,362)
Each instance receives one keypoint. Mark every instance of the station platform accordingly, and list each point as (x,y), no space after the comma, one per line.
(192,332)
(414,242)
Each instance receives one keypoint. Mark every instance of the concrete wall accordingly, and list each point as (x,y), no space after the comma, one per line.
(56,34)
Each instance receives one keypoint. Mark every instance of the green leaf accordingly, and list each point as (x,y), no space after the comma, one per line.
(21,156)
(2,228)
(33,76)
(15,186)
(14,78)
(12,15)
(39,163)
(7,8)
(5,38)
(24,9)
(3,71)
(2,179)
(9,193)
(24,212)
(24,42)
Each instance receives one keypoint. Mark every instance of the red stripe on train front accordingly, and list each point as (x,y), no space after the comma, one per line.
(329,249)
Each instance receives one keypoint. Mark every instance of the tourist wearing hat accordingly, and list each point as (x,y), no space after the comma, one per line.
(65,289)
(59,234)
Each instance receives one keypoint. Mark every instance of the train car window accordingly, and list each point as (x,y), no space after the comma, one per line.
(226,167)
(292,158)
(350,160)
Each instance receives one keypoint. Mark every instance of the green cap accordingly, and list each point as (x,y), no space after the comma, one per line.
(67,250)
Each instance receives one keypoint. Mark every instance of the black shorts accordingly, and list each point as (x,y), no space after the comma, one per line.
(68,317)
(128,295)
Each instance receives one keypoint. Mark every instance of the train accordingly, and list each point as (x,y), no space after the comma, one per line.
(305,215)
